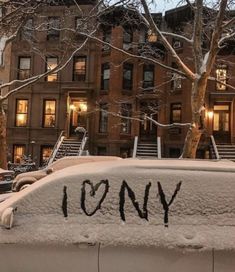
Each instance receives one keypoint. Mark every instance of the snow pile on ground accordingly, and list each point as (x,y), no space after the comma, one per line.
(166,203)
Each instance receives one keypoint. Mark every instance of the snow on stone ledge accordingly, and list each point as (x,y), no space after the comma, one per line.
(163,203)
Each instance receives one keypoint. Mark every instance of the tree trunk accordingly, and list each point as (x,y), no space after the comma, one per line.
(198,125)
(3,144)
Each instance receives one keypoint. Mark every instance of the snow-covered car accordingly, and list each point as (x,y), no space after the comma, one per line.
(6,178)
(124,215)
(23,180)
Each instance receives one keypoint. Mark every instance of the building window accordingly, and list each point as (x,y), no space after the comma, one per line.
(52,63)
(148,76)
(127,39)
(103,122)
(107,34)
(49,113)
(18,153)
(53,31)
(126,110)
(27,30)
(176,82)
(176,112)
(24,68)
(105,76)
(79,69)
(46,151)
(221,76)
(127,83)
(21,112)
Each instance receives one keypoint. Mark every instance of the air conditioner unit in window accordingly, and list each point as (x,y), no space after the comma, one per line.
(177,45)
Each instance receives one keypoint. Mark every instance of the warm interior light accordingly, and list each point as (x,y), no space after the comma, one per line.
(152,37)
(21,117)
(72,107)
(210,114)
(83,106)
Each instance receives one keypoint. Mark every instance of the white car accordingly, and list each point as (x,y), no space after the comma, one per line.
(123,215)
(25,179)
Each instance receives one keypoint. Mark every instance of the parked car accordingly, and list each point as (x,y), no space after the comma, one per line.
(6,178)
(127,215)
(25,179)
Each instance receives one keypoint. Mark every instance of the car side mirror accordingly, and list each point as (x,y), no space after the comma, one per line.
(49,171)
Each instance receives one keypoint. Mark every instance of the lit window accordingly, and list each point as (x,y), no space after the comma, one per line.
(21,113)
(127,76)
(46,152)
(79,69)
(49,113)
(24,68)
(221,76)
(18,153)
(103,122)
(105,76)
(52,63)
(175,113)
(53,32)
(126,121)
(148,76)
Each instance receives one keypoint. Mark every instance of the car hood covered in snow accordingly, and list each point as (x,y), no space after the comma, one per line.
(159,203)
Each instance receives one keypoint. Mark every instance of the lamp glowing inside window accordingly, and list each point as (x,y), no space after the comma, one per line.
(49,113)
(221,76)
(21,113)
(52,63)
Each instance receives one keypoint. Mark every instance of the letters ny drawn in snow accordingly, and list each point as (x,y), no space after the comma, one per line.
(88,188)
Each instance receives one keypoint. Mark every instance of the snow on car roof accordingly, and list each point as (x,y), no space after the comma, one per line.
(162,203)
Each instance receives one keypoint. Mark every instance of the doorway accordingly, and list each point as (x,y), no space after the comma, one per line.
(148,130)
(78,115)
(221,123)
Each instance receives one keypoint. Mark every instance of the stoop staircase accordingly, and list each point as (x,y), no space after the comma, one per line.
(147,149)
(68,147)
(226,151)
(222,151)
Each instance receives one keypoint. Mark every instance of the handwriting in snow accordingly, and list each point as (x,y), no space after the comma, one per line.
(89,188)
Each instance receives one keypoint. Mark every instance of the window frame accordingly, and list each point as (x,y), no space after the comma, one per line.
(21,113)
(15,146)
(126,110)
(219,86)
(49,114)
(105,82)
(23,73)
(53,34)
(127,84)
(42,162)
(176,106)
(79,76)
(103,118)
(47,69)
(148,68)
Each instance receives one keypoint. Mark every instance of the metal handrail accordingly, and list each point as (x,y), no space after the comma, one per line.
(159,149)
(135,147)
(83,143)
(56,147)
(215,147)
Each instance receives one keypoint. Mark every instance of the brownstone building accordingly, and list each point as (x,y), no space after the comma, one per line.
(109,93)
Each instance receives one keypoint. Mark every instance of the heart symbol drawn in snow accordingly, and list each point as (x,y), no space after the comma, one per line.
(93,190)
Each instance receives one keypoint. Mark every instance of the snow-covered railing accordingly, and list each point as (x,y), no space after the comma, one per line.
(159,150)
(135,147)
(83,144)
(215,147)
(56,147)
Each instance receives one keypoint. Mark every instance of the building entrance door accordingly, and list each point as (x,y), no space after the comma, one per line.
(221,123)
(148,130)
(78,115)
